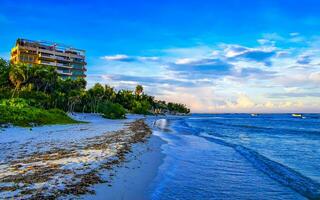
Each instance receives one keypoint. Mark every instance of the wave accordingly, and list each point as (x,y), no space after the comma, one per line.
(277,171)
(263,128)
(283,174)
(181,126)
(278,128)
(202,118)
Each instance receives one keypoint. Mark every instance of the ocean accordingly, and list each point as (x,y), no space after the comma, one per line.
(238,156)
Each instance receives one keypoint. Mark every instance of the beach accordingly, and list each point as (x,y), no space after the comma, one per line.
(113,158)
(133,178)
(222,156)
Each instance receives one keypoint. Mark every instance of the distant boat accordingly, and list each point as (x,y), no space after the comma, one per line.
(296,115)
(254,115)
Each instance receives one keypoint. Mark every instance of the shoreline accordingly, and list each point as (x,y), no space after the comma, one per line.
(74,160)
(134,177)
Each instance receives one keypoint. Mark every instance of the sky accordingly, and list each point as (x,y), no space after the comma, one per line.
(214,56)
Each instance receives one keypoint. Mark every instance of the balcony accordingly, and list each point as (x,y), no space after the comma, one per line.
(46,56)
(62,65)
(58,53)
(54,57)
(64,73)
(47,63)
(62,58)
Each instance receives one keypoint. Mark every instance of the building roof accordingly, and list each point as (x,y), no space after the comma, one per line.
(54,45)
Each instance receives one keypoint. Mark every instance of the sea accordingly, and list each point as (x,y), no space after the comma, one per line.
(238,156)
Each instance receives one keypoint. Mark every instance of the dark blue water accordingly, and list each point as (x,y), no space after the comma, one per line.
(237,156)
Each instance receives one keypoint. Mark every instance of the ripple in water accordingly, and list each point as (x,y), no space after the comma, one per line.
(239,157)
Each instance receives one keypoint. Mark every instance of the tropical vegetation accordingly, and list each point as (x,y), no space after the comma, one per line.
(35,94)
(18,112)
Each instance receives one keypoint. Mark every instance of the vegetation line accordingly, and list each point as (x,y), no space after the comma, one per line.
(36,95)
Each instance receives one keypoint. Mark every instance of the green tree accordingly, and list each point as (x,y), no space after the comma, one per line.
(4,73)
(96,94)
(18,75)
(125,98)
(138,90)
(112,110)
(44,78)
(141,107)
(42,88)
(110,94)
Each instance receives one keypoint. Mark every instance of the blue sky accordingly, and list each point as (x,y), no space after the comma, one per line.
(215,56)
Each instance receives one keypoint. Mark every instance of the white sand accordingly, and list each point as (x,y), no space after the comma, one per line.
(131,179)
(42,138)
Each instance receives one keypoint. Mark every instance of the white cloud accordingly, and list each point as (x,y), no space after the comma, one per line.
(152,58)
(315,77)
(294,34)
(269,105)
(243,101)
(247,84)
(117,57)
(182,61)
(126,58)
(233,50)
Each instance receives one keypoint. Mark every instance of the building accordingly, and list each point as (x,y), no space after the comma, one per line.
(70,62)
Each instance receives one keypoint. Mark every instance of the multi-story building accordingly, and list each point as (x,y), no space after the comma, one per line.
(69,62)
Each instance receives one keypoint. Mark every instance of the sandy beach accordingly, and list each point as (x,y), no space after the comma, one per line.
(101,159)
(132,179)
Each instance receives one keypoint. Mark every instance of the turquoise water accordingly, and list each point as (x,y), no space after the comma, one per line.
(237,156)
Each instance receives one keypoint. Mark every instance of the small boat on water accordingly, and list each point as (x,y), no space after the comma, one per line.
(296,115)
(254,115)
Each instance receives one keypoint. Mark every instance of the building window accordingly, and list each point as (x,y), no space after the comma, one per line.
(23,58)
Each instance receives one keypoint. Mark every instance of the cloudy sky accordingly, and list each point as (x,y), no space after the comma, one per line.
(235,56)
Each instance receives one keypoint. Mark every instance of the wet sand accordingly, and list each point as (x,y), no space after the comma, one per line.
(133,179)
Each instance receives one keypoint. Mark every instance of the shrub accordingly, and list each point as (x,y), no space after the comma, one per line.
(112,110)
(5,93)
(141,107)
(36,99)
(19,112)
(178,108)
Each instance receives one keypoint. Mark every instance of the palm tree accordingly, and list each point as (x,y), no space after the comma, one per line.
(18,75)
(125,98)
(139,90)
(96,94)
(110,94)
